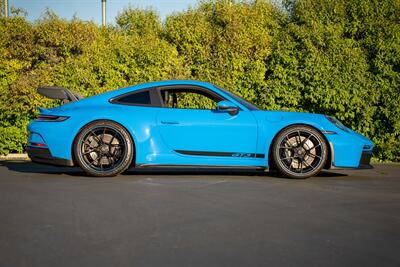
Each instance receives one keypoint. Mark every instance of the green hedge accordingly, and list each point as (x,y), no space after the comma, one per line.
(340,58)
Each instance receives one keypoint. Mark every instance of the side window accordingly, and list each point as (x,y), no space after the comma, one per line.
(189,99)
(140,98)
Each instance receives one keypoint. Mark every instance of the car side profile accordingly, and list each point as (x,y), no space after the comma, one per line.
(189,124)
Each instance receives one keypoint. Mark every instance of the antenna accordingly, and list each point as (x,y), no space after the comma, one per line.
(103,12)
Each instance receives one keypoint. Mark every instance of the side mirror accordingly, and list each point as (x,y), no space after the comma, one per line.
(227,106)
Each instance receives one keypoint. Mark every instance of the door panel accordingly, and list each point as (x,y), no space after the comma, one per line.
(194,130)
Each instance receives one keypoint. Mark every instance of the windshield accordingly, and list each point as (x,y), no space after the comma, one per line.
(245,103)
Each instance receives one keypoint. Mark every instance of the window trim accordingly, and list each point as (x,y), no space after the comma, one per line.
(154,98)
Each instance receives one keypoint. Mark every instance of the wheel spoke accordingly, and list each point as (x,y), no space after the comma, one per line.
(115,145)
(313,155)
(315,146)
(290,165)
(101,164)
(112,139)
(88,152)
(96,137)
(305,162)
(287,158)
(87,143)
(305,140)
(301,166)
(298,143)
(111,158)
(288,141)
(103,134)
(95,162)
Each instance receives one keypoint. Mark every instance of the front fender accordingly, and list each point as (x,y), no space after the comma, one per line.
(346,147)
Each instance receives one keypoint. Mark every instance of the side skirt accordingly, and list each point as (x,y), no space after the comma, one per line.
(221,154)
(143,166)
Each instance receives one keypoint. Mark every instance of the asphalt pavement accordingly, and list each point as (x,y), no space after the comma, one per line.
(54,216)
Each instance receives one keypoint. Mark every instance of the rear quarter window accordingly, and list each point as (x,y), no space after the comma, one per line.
(139,98)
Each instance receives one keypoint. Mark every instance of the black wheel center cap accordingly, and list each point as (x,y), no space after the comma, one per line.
(104,148)
(299,151)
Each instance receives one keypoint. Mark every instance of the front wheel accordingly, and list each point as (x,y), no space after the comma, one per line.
(299,152)
(103,148)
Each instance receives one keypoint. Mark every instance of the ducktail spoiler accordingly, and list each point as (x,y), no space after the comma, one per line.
(54,92)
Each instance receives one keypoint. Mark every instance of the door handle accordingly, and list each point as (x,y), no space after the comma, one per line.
(169,122)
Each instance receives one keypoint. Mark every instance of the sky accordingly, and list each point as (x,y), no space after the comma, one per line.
(91,9)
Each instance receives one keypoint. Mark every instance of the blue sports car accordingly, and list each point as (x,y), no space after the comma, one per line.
(188,124)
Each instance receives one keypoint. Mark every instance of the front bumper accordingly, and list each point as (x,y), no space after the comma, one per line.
(349,150)
(43,155)
(365,160)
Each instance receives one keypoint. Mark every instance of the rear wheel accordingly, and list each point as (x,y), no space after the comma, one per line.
(299,152)
(103,148)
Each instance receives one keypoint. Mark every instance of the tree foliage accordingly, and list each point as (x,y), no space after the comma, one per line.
(340,58)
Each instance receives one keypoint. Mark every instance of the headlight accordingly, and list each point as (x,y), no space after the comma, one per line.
(337,123)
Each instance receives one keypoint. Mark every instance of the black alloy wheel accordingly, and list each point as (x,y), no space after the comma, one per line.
(103,148)
(299,152)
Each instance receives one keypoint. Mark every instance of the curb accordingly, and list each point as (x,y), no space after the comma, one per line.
(14,157)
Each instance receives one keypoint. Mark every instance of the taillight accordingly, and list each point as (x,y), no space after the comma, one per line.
(51,118)
(38,144)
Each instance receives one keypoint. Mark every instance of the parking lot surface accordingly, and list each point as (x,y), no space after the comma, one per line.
(54,216)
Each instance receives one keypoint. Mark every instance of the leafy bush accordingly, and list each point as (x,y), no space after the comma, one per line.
(341,58)
(13,139)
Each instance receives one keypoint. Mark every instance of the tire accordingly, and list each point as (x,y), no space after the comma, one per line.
(103,148)
(299,152)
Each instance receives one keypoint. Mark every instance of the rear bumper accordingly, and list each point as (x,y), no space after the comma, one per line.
(43,155)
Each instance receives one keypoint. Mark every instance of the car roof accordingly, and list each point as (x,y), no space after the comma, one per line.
(104,97)
(162,83)
(155,84)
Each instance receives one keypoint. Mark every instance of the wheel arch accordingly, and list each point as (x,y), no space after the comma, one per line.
(73,156)
(329,158)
